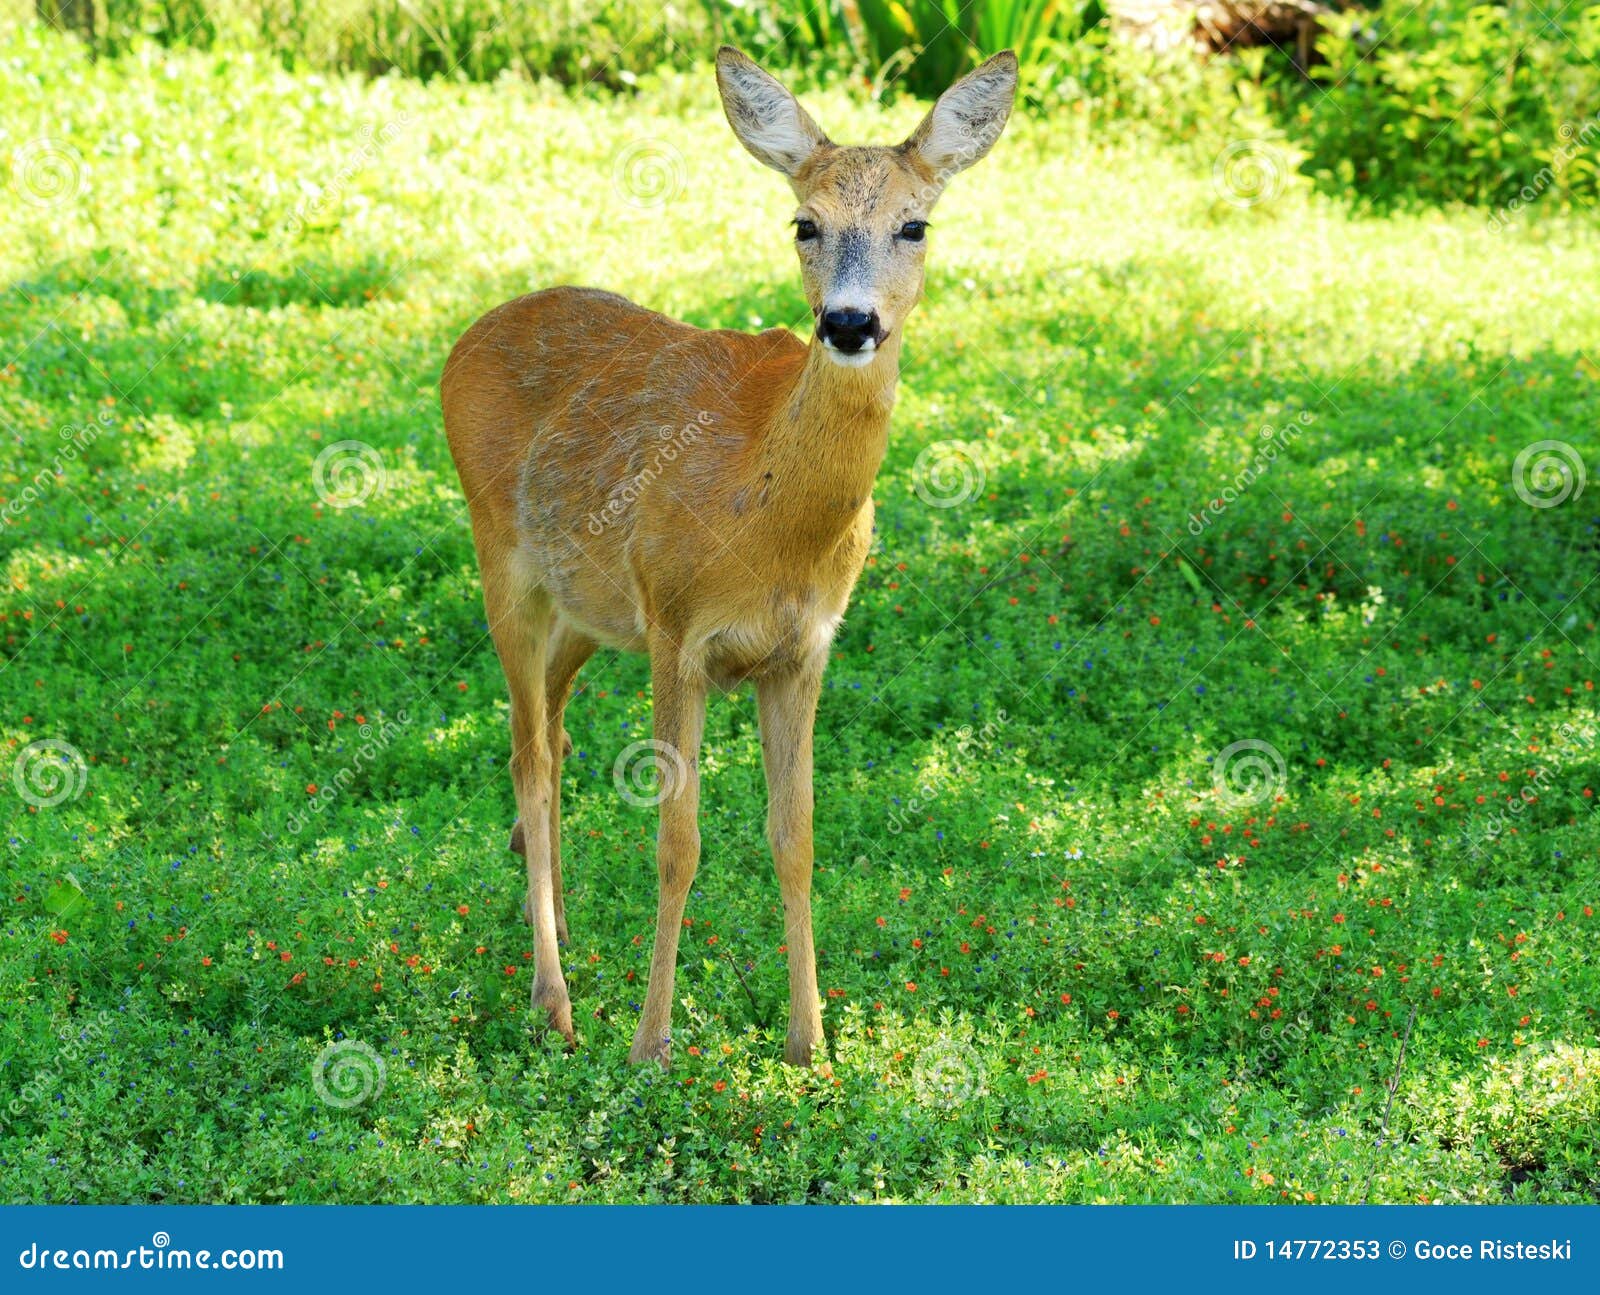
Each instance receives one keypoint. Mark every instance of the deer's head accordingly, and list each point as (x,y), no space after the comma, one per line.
(863,212)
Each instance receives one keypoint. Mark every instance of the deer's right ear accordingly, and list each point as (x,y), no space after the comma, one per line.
(766,117)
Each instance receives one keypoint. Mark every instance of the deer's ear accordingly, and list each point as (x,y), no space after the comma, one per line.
(766,117)
(968,118)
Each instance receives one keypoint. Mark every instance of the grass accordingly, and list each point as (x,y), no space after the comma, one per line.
(1067,955)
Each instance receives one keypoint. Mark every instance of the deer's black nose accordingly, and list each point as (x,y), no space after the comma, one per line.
(849,330)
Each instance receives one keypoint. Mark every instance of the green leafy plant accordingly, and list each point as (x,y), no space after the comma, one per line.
(926,44)
(1467,102)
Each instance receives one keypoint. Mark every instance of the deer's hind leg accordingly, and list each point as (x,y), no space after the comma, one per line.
(520,621)
(568,649)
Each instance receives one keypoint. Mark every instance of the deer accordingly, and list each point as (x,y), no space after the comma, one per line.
(703,496)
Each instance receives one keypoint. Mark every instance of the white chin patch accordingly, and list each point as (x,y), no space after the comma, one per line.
(861,357)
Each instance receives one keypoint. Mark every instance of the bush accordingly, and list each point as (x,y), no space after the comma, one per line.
(608,42)
(1493,104)
(921,44)
(1118,86)
(1455,102)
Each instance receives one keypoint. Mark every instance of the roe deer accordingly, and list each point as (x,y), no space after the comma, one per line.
(727,551)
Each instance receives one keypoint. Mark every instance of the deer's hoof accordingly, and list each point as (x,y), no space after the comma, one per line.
(557,1008)
(647,1049)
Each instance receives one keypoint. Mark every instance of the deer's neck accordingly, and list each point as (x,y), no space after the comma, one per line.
(828,438)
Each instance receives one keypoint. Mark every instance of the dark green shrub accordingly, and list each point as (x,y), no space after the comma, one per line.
(1485,103)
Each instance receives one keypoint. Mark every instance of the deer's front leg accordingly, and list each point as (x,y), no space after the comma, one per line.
(680,711)
(788,706)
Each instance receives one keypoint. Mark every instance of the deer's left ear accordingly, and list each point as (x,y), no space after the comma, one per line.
(768,120)
(968,118)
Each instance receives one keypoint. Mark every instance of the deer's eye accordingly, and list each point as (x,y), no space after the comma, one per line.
(913,230)
(805,230)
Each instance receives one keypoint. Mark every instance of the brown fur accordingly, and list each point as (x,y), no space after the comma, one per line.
(705,496)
